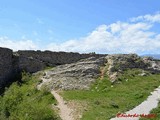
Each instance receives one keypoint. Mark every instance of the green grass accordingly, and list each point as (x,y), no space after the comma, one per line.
(22,101)
(105,99)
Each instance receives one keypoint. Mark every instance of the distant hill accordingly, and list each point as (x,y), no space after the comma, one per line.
(156,56)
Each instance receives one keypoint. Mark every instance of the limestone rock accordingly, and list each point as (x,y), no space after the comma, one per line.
(117,63)
(77,75)
(154,64)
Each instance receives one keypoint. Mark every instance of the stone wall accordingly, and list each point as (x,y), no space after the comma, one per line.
(6,65)
(32,61)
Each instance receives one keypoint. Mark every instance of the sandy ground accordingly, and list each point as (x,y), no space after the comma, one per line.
(145,107)
(64,111)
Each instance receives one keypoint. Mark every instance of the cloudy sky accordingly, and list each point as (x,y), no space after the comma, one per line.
(101,26)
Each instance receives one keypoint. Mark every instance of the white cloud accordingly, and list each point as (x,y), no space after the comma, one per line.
(17,45)
(119,37)
(148,17)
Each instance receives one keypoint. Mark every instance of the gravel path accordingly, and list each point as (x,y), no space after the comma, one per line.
(145,107)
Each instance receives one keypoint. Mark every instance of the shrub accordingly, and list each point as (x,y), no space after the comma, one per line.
(22,101)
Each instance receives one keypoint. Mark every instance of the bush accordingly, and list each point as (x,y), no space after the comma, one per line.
(22,101)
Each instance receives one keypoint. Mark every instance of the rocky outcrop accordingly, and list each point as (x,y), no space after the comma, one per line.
(117,63)
(120,62)
(154,64)
(77,75)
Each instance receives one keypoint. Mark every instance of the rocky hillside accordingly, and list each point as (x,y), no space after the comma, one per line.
(77,75)
(71,70)
(81,74)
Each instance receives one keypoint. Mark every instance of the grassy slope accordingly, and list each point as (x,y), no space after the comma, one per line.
(106,100)
(22,101)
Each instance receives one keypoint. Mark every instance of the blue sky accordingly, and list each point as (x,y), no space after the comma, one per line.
(103,26)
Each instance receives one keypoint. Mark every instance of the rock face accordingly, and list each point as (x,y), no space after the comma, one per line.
(6,66)
(77,75)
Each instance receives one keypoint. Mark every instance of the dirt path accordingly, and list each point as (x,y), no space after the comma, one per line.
(64,110)
(145,107)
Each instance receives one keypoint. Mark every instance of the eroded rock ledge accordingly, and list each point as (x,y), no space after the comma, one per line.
(77,75)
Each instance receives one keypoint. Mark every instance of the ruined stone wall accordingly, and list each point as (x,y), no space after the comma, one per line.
(6,65)
(33,61)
